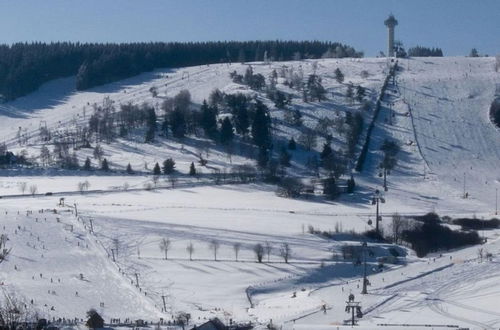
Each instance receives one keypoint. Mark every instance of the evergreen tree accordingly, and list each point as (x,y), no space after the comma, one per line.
(330,188)
(156,169)
(129,169)
(104,165)
(87,166)
(339,76)
(263,158)
(351,185)
(238,105)
(178,123)
(150,125)
(192,169)
(208,119)
(473,53)
(315,88)
(169,166)
(248,76)
(292,145)
(284,157)
(326,152)
(261,126)
(164,126)
(360,93)
(94,321)
(226,131)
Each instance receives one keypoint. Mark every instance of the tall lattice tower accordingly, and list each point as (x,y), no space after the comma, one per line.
(390,22)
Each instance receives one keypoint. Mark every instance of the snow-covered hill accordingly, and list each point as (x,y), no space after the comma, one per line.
(437,111)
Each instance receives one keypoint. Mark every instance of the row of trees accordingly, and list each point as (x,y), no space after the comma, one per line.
(25,66)
(419,51)
(259,249)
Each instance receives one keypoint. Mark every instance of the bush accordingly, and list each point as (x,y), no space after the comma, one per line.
(432,236)
(374,235)
(495,112)
(477,224)
(95,320)
(290,187)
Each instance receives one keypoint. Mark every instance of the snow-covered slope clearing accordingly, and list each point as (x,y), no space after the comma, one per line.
(437,111)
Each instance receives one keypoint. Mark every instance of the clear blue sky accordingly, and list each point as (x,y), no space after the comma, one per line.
(454,25)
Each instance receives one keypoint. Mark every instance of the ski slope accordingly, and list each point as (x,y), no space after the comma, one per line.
(58,106)
(437,111)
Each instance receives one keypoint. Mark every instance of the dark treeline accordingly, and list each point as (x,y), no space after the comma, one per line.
(431,235)
(25,66)
(420,51)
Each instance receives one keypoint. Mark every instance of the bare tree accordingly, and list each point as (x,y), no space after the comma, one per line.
(173,180)
(268,248)
(308,139)
(23,186)
(236,248)
(182,319)
(259,252)
(480,254)
(98,152)
(155,180)
(116,246)
(4,251)
(165,244)
(45,155)
(396,227)
(83,186)
(14,311)
(33,190)
(285,251)
(214,246)
(190,250)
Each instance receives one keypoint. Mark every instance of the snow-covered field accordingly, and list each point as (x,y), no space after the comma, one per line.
(439,115)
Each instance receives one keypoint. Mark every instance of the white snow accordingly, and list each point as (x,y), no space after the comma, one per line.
(441,103)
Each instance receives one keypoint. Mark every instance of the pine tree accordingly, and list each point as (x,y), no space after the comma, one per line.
(473,53)
(164,126)
(129,169)
(151,125)
(263,157)
(208,119)
(104,165)
(192,169)
(169,166)
(248,76)
(285,157)
(156,169)
(87,166)
(339,76)
(261,130)
(351,185)
(360,93)
(330,188)
(178,123)
(226,131)
(315,88)
(326,152)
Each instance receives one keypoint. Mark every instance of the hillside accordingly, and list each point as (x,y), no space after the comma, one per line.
(436,111)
